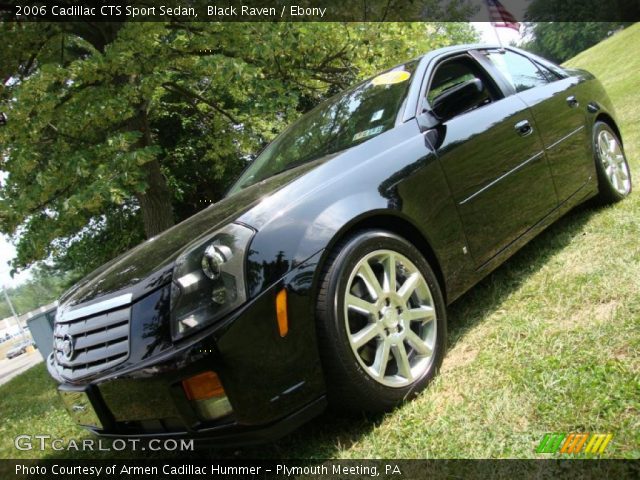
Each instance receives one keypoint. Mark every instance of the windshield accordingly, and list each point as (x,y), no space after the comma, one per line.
(353,117)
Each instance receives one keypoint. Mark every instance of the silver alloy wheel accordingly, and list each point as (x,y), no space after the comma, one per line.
(615,166)
(390,318)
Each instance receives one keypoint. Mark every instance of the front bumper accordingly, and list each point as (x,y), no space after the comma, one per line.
(273,384)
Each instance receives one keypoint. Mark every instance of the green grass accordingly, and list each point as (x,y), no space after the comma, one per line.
(29,405)
(548,343)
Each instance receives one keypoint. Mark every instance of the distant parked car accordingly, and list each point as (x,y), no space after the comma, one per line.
(18,350)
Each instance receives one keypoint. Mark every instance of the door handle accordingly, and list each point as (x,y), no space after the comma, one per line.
(572,101)
(523,128)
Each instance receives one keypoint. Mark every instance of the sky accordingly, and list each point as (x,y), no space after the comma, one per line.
(7,252)
(488,34)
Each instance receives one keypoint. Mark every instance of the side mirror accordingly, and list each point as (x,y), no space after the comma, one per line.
(459,99)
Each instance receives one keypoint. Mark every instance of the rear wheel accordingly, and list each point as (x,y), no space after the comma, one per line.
(381,322)
(614,175)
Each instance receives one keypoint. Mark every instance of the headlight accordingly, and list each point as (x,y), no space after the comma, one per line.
(208,280)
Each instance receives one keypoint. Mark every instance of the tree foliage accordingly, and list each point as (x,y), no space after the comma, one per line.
(582,11)
(560,41)
(116,131)
(43,288)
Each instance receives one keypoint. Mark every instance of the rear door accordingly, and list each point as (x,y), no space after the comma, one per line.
(493,158)
(559,113)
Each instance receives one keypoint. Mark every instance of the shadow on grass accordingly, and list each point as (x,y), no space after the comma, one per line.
(488,295)
(328,434)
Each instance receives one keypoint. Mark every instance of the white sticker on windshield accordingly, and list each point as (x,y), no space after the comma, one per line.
(367,133)
(376,116)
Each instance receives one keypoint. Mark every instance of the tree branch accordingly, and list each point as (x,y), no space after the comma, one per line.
(174,87)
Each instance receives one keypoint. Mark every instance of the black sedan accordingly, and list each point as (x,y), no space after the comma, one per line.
(325,273)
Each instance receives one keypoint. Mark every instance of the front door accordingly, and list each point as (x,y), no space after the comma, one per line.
(494,161)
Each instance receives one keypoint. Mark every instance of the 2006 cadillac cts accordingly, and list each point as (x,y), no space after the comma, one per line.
(324,275)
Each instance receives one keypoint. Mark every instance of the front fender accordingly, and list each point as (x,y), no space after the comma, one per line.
(288,241)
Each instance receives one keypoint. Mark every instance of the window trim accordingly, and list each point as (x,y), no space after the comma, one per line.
(496,74)
(557,69)
(544,69)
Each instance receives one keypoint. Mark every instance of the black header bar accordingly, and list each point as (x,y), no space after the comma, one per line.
(316,10)
(157,469)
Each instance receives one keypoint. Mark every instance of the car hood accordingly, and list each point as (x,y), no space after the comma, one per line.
(149,265)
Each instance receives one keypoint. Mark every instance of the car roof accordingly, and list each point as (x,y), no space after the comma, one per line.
(461,48)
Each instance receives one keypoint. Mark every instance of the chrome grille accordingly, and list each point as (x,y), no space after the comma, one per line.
(87,341)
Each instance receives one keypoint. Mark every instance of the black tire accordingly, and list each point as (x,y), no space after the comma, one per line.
(349,387)
(607,192)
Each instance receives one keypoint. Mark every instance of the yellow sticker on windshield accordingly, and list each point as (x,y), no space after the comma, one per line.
(389,78)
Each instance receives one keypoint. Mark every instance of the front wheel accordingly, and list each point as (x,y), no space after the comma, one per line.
(381,322)
(614,175)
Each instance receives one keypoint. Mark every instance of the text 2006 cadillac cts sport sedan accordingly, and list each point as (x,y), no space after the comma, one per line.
(324,275)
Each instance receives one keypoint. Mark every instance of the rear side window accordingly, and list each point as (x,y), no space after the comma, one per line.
(521,72)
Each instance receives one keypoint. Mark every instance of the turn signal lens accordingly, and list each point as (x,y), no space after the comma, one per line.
(203,386)
(281,311)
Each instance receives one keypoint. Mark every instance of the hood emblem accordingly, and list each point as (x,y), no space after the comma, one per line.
(67,347)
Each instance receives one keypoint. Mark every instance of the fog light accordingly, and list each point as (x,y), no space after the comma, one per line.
(212,408)
(207,395)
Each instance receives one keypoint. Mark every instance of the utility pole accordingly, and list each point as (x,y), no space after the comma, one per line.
(15,315)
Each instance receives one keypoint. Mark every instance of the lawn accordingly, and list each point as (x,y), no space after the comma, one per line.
(550,342)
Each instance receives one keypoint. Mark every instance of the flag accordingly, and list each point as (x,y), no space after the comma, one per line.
(500,16)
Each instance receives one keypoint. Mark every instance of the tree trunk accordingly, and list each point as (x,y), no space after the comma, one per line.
(155,202)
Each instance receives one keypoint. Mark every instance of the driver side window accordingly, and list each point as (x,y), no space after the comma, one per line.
(459,85)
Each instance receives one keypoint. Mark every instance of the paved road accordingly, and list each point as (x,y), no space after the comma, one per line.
(17,365)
